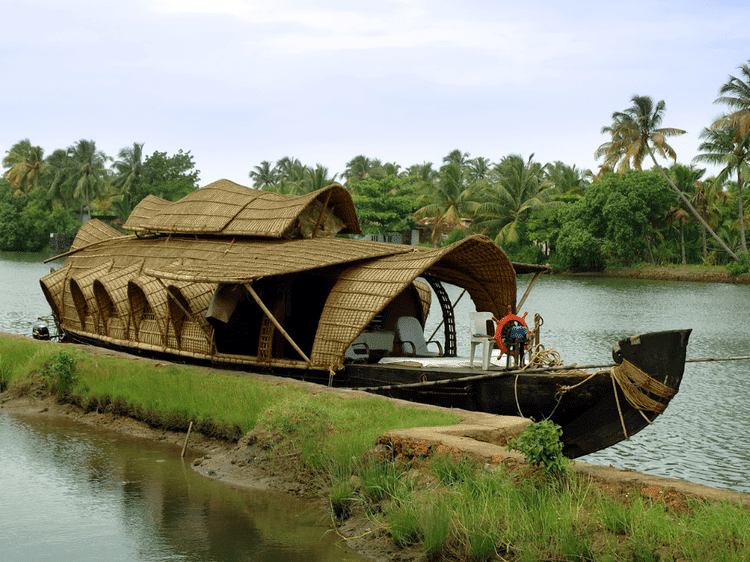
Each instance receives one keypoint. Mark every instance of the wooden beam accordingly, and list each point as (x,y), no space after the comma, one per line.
(272,318)
(528,290)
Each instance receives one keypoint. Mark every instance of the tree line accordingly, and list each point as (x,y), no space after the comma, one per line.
(571,218)
(54,194)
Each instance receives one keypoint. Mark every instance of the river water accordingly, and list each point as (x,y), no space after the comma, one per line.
(135,498)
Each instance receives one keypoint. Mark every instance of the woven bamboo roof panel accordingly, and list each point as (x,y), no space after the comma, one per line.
(227,208)
(149,207)
(475,263)
(144,294)
(243,260)
(93,231)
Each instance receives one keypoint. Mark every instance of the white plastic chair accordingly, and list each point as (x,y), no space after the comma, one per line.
(411,336)
(480,336)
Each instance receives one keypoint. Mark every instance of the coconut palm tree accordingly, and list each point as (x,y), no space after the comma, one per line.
(505,203)
(478,169)
(357,169)
(708,201)
(316,178)
(291,174)
(635,133)
(422,171)
(736,94)
(567,179)
(457,157)
(128,170)
(26,166)
(85,173)
(686,178)
(264,176)
(723,146)
(446,202)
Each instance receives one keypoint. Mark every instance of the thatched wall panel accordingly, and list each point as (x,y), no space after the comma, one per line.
(53,288)
(83,312)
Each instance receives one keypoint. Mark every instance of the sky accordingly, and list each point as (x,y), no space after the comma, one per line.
(237,82)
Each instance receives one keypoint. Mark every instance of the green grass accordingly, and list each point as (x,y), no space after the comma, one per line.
(453,508)
(329,432)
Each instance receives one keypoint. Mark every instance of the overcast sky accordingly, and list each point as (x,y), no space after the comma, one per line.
(237,82)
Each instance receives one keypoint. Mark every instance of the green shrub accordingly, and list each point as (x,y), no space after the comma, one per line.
(741,266)
(61,373)
(541,445)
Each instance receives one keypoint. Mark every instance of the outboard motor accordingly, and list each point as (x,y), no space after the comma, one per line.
(40,332)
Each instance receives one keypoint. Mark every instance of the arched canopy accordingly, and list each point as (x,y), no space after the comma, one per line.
(363,290)
(229,209)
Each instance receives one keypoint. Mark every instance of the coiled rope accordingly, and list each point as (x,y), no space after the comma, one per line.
(632,380)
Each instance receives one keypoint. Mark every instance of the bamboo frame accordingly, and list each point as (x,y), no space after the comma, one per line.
(272,318)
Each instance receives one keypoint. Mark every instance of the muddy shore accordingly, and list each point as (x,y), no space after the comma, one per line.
(247,463)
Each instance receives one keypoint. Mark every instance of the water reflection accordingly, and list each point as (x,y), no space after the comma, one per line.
(81,494)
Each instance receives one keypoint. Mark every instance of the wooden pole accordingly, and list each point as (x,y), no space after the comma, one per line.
(528,290)
(272,318)
(182,455)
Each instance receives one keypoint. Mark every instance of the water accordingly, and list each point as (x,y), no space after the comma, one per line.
(702,437)
(21,300)
(70,492)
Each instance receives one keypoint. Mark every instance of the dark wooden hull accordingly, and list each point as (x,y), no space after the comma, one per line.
(593,416)
(593,413)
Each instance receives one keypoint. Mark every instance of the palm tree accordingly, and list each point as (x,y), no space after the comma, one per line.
(736,94)
(422,171)
(724,146)
(357,169)
(478,169)
(567,179)
(26,164)
(686,178)
(291,174)
(634,133)
(447,201)
(507,202)
(457,157)
(127,174)
(316,178)
(708,200)
(85,173)
(264,176)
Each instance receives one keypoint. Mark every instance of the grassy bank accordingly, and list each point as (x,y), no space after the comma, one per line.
(674,272)
(447,506)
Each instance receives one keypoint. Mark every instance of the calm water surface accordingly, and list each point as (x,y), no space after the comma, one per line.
(70,492)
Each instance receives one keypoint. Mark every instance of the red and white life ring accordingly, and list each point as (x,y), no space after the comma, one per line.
(504,326)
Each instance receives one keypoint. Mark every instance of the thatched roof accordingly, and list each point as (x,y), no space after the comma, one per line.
(125,276)
(474,263)
(227,208)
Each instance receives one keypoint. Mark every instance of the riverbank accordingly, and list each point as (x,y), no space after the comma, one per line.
(692,273)
(255,462)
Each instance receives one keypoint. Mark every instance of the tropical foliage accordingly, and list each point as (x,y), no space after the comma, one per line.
(42,195)
(538,212)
